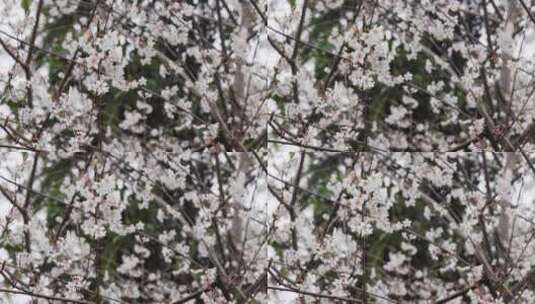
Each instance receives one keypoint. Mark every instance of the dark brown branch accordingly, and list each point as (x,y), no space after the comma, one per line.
(31,50)
(457,294)
(526,8)
(42,296)
(14,56)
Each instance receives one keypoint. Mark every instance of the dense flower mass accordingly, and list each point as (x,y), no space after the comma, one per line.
(267,151)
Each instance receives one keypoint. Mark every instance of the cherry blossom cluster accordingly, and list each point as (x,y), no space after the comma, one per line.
(267,151)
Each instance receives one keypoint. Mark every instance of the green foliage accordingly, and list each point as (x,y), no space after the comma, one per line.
(52,181)
(26,5)
(322,29)
(113,105)
(279,248)
(321,172)
(111,250)
(292,3)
